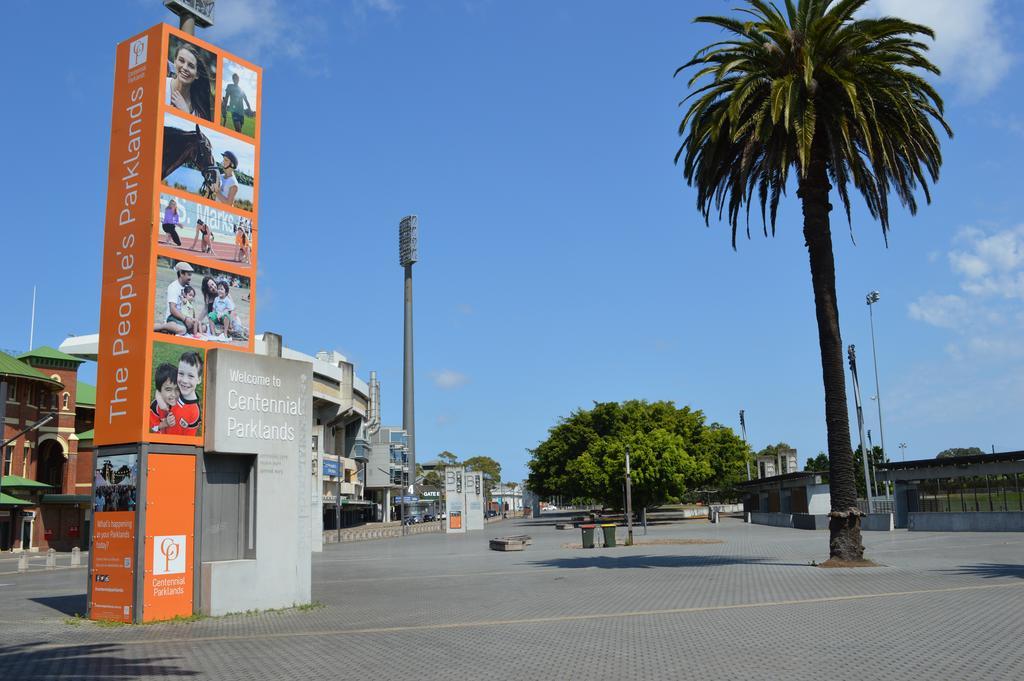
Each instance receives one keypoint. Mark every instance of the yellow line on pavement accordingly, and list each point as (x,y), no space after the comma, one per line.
(549,620)
(451,574)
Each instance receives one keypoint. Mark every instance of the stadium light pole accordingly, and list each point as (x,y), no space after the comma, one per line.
(743,429)
(192,13)
(408,254)
(851,353)
(873,298)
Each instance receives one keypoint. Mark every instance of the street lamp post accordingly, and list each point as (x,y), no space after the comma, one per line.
(852,354)
(903,451)
(873,298)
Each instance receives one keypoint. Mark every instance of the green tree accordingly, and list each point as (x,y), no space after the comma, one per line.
(959,451)
(433,479)
(817,464)
(486,465)
(672,451)
(448,459)
(839,101)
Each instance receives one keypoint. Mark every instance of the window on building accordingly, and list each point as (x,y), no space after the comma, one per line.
(8,460)
(316,443)
(12,391)
(64,404)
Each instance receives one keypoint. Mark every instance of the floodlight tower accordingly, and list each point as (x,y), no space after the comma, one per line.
(408,253)
(192,13)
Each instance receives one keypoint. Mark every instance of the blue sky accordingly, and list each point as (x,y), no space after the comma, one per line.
(563,259)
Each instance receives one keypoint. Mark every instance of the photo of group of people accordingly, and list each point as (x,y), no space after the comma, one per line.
(203,161)
(214,233)
(200,302)
(176,407)
(114,482)
(192,86)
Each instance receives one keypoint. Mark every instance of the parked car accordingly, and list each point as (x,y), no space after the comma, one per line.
(429,517)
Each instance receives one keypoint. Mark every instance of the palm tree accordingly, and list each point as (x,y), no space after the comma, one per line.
(840,100)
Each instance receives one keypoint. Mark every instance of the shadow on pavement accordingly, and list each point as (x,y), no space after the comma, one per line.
(74,604)
(37,661)
(989,570)
(648,561)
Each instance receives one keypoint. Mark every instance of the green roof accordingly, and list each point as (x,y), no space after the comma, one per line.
(85,395)
(18,482)
(46,352)
(87,435)
(10,366)
(65,499)
(8,500)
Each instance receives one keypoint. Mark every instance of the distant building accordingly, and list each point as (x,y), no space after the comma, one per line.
(47,473)
(783,463)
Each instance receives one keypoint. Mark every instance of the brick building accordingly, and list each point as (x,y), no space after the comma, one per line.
(47,472)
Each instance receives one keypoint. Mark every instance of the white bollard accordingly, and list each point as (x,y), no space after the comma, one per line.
(76,556)
(23,562)
(51,559)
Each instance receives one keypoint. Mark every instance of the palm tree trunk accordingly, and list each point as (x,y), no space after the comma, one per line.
(844,521)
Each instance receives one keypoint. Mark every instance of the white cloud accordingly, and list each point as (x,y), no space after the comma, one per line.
(985,316)
(390,7)
(947,311)
(447,379)
(992,264)
(969,47)
(257,29)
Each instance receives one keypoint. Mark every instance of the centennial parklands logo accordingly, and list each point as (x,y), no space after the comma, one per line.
(169,555)
(137,52)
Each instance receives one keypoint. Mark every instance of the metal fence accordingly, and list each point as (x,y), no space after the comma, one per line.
(881,505)
(977,494)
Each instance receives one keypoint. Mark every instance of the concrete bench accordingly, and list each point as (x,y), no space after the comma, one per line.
(516,543)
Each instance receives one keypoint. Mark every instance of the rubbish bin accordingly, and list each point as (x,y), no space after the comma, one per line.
(588,536)
(609,533)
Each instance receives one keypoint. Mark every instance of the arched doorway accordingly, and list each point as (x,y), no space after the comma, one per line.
(51,462)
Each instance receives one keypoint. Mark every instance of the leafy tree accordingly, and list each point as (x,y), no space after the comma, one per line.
(433,479)
(486,465)
(959,451)
(672,450)
(448,459)
(818,464)
(839,101)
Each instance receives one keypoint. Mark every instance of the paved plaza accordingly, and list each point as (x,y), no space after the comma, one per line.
(942,606)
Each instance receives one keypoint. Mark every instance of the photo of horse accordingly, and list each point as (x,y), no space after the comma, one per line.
(203,161)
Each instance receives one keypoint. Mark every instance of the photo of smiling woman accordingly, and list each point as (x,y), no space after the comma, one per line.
(191,75)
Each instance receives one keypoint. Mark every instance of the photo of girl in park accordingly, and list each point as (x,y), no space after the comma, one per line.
(176,406)
(191,78)
(212,164)
(191,227)
(238,104)
(199,302)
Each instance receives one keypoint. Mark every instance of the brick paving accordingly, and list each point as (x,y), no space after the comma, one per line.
(431,606)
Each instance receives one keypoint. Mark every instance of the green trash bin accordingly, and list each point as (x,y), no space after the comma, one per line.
(588,536)
(609,533)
